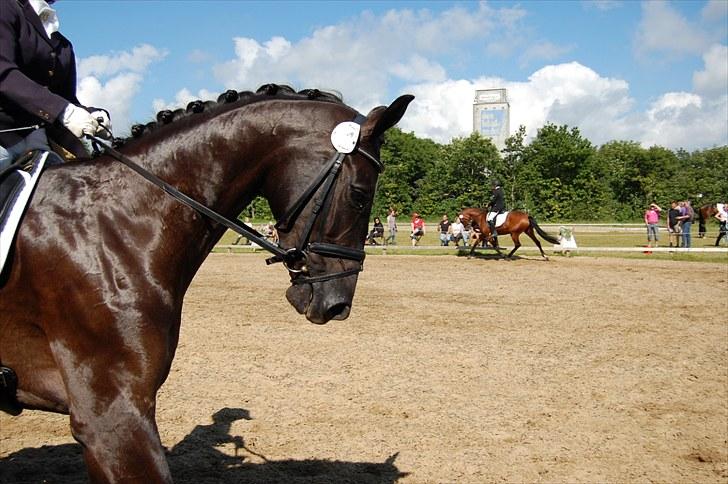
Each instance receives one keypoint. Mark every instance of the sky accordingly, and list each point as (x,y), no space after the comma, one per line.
(653,72)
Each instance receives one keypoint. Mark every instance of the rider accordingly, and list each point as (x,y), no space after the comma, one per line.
(497,205)
(38,100)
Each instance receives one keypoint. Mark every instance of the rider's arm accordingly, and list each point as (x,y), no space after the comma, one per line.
(15,86)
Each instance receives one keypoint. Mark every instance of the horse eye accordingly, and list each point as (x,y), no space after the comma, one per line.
(359,198)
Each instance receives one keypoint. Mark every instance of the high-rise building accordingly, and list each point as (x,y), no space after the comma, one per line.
(491,115)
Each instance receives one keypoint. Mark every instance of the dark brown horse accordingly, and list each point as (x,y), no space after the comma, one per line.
(91,302)
(516,223)
(705,213)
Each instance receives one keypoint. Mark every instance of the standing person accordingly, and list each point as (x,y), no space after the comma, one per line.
(673,224)
(497,205)
(444,226)
(722,216)
(418,228)
(686,223)
(652,219)
(466,230)
(392,225)
(38,100)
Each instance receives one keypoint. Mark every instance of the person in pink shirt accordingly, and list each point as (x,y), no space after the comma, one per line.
(652,219)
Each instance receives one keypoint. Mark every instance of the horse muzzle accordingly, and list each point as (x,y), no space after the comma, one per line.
(323,301)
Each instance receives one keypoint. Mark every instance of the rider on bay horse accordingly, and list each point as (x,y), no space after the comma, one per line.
(496,205)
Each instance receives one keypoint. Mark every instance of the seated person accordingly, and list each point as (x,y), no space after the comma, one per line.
(376,232)
(417,228)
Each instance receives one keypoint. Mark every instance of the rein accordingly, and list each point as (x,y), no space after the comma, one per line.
(345,144)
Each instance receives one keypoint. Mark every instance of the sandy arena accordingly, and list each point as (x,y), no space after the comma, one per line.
(449,370)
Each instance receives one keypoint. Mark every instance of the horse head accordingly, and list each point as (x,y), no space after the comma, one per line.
(323,216)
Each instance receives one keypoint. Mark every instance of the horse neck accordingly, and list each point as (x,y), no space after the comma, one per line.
(217,164)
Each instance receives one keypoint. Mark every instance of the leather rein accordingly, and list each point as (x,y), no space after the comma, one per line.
(292,258)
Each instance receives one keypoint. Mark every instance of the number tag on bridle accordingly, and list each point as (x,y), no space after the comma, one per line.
(345,136)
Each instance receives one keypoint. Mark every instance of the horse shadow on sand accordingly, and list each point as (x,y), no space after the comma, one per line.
(198,459)
(487,254)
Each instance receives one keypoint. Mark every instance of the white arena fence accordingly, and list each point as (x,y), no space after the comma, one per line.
(594,230)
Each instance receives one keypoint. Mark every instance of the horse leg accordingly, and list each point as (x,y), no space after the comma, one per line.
(473,246)
(114,420)
(112,371)
(529,232)
(516,243)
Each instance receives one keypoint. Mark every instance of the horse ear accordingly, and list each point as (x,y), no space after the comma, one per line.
(381,118)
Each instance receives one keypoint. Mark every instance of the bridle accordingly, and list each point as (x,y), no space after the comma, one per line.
(345,137)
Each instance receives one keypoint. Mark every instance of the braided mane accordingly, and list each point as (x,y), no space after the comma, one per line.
(229,99)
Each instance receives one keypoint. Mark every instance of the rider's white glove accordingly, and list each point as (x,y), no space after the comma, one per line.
(104,129)
(79,121)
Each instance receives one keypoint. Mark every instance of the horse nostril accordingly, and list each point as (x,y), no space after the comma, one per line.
(338,312)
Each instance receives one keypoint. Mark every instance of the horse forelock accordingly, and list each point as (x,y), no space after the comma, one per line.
(227,101)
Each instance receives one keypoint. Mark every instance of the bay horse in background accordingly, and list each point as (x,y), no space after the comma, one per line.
(91,297)
(705,213)
(516,223)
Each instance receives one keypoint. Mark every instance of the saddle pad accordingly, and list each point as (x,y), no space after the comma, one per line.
(22,182)
(500,219)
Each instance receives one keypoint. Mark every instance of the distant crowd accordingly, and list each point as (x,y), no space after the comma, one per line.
(680,218)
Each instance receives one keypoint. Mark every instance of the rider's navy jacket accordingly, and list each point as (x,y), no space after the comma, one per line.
(498,202)
(37,76)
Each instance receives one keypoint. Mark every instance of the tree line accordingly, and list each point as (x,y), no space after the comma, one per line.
(558,176)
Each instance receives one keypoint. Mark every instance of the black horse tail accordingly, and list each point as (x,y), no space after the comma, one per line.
(542,233)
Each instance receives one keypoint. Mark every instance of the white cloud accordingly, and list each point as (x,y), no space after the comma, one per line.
(369,56)
(682,119)
(664,30)
(114,95)
(381,50)
(138,60)
(544,51)
(713,80)
(183,98)
(111,82)
(418,68)
(715,11)
(575,95)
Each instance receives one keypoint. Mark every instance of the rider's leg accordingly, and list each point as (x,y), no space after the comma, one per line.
(493,232)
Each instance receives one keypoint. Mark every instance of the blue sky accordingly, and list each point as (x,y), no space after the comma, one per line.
(653,72)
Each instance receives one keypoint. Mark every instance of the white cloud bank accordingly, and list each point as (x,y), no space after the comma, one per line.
(373,59)
(112,81)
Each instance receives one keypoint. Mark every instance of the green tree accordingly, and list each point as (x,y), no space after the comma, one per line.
(406,159)
(559,174)
(461,176)
(513,159)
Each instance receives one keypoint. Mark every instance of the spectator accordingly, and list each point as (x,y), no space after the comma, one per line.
(652,219)
(392,225)
(418,228)
(241,236)
(722,217)
(466,230)
(376,232)
(686,222)
(456,231)
(673,224)
(270,232)
(444,226)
